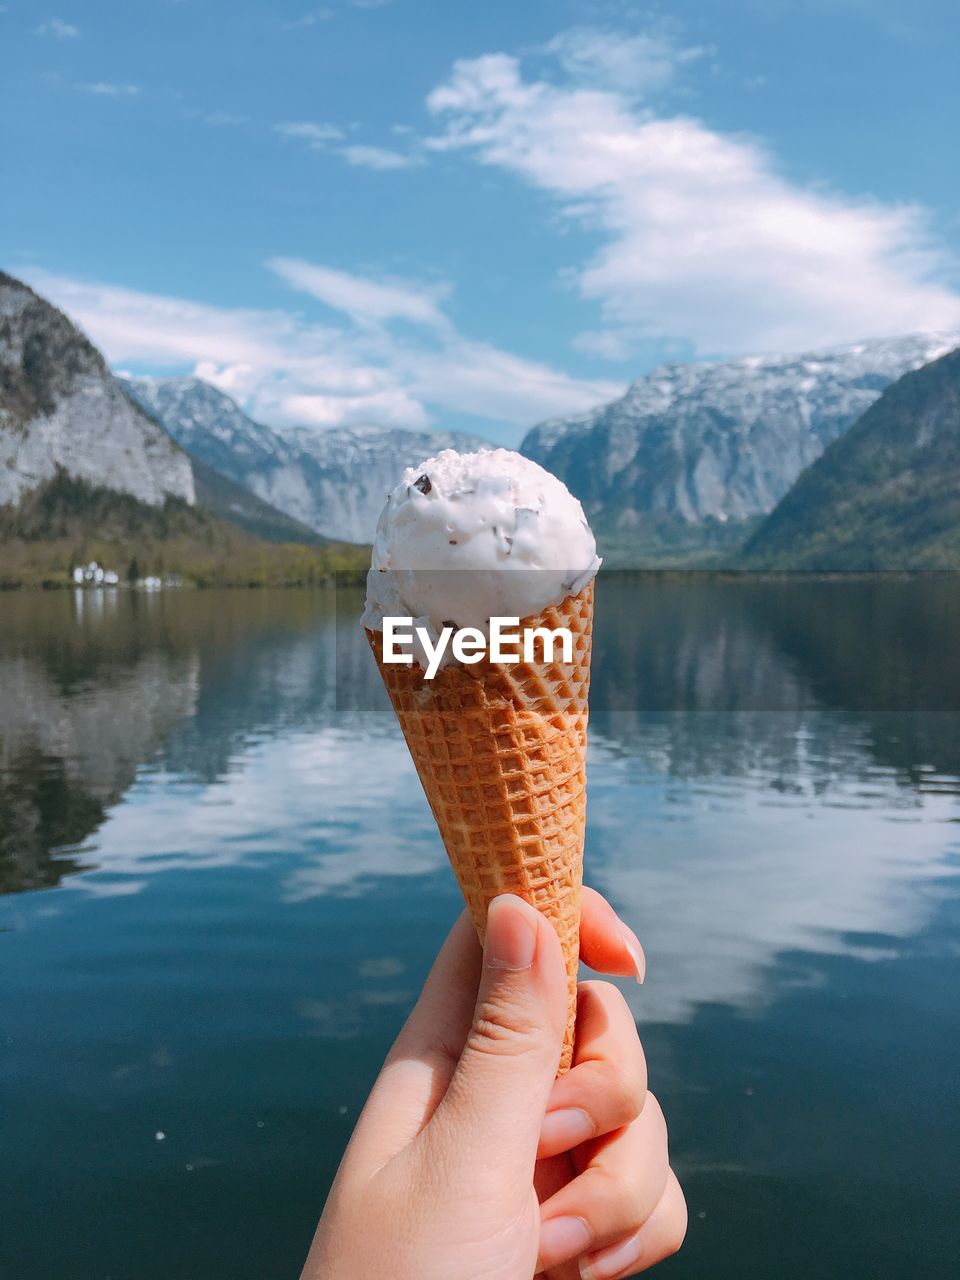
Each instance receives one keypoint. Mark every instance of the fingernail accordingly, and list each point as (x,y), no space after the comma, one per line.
(561,1239)
(612,1261)
(511,934)
(564,1129)
(632,943)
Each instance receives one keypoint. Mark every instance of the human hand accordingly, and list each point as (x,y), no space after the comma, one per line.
(471,1160)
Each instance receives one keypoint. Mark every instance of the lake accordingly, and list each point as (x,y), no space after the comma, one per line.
(222,889)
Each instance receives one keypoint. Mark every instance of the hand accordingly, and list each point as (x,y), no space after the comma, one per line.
(471,1160)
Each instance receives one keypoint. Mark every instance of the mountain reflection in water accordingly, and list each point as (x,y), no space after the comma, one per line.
(240,872)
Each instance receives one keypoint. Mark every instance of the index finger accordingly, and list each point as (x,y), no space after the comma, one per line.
(607,944)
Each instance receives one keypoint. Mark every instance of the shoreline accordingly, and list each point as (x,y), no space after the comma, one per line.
(352,579)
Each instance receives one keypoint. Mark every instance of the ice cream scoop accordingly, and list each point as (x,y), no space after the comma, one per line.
(500,747)
(468,536)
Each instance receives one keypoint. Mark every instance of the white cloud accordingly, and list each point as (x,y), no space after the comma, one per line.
(307,20)
(131,325)
(633,64)
(608,344)
(57,28)
(381,158)
(316,134)
(107,89)
(704,240)
(364,301)
(390,406)
(224,119)
(320,136)
(288,371)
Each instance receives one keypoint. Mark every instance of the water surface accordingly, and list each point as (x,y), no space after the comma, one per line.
(222,889)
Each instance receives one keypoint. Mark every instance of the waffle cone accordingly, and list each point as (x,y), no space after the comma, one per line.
(501,753)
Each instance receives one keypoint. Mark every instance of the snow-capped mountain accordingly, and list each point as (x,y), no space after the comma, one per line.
(334,481)
(723,442)
(206,422)
(886,495)
(350,470)
(61,409)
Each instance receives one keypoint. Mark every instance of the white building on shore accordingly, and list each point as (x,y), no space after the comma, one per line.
(94,575)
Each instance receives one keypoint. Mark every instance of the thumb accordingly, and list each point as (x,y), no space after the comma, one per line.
(499,1090)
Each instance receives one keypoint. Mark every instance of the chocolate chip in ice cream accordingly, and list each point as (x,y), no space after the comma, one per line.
(477,514)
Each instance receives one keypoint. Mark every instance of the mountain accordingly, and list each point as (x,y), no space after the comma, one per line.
(884,496)
(225,498)
(65,522)
(62,410)
(86,474)
(693,455)
(208,424)
(333,481)
(351,469)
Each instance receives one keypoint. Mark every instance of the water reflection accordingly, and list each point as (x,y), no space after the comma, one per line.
(336,812)
(68,752)
(259,889)
(784,834)
(754,785)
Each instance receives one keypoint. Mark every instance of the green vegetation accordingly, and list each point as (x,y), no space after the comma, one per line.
(66,522)
(884,496)
(221,497)
(671,543)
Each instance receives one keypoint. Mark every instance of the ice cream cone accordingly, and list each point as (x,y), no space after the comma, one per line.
(500,750)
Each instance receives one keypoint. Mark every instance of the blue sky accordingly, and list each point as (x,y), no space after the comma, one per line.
(435,212)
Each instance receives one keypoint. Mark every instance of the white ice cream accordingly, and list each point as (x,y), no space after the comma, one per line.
(468,536)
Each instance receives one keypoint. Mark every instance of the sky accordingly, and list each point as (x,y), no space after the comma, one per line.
(477,216)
